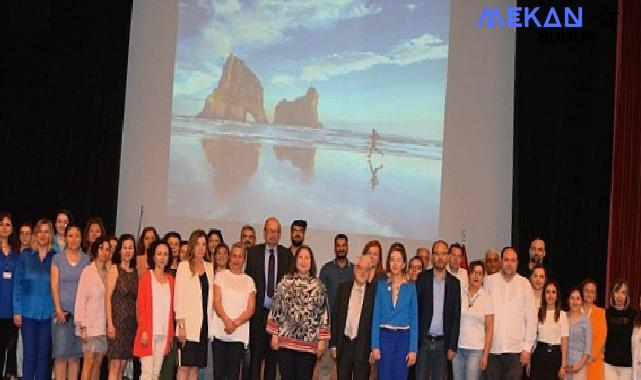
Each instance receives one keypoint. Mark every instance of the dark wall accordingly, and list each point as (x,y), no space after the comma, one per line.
(63,74)
(563,116)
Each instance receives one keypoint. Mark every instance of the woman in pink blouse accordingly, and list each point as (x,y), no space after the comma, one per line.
(90,309)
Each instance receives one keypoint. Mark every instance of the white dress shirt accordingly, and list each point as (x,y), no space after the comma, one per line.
(473,312)
(515,317)
(461,274)
(354,310)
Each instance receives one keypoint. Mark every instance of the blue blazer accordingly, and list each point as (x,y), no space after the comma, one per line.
(451,307)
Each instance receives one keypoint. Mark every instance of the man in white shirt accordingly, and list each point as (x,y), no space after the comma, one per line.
(515,319)
(454,266)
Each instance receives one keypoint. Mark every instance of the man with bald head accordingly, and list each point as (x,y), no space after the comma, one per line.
(515,320)
(492,261)
(267,263)
(536,256)
(352,324)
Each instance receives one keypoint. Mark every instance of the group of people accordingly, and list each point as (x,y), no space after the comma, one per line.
(76,295)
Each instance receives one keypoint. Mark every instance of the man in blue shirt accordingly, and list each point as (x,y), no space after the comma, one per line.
(332,274)
(439,311)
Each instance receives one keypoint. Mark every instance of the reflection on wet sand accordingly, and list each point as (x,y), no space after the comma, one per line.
(299,157)
(234,163)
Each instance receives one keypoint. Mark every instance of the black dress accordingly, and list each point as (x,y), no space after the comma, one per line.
(194,354)
(123,311)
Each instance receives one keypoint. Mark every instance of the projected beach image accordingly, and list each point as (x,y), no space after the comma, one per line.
(324,110)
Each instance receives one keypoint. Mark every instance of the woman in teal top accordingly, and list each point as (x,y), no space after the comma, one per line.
(395,319)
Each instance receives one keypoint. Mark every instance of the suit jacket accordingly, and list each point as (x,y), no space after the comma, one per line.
(339,318)
(255,269)
(451,307)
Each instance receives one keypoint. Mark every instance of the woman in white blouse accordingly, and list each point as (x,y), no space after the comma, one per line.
(193,306)
(477,326)
(550,354)
(231,320)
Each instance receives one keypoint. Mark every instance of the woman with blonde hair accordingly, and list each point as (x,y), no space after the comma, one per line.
(32,303)
(596,315)
(193,304)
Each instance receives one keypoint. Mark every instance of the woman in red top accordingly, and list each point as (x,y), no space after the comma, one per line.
(155,311)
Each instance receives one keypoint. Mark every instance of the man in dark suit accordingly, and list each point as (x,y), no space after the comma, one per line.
(352,324)
(439,311)
(266,264)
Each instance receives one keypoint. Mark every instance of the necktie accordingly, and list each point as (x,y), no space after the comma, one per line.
(271,276)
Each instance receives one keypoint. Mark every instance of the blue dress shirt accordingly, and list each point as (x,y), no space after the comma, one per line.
(32,286)
(7,267)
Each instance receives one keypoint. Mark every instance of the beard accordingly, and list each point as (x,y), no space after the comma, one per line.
(341,254)
(297,242)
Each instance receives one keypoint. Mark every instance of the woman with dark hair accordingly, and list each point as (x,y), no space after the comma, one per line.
(155,312)
(63,218)
(538,278)
(94,228)
(214,237)
(89,311)
(395,319)
(24,236)
(618,343)
(173,240)
(596,315)
(221,257)
(147,236)
(32,304)
(231,321)
(636,345)
(120,304)
(298,319)
(8,331)
(66,268)
(550,355)
(374,251)
(477,326)
(193,305)
(579,345)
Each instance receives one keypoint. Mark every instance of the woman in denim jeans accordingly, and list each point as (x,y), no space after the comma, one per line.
(477,324)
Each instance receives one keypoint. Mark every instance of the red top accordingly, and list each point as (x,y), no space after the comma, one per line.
(145,316)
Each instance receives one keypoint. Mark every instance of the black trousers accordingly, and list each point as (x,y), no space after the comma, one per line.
(227,359)
(8,344)
(296,365)
(260,349)
(546,362)
(348,365)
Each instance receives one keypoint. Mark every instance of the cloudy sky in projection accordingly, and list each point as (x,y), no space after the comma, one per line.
(379,64)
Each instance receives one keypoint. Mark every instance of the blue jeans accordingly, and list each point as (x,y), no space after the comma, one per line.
(467,364)
(36,340)
(431,362)
(394,348)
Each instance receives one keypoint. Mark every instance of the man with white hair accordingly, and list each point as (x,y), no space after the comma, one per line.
(352,324)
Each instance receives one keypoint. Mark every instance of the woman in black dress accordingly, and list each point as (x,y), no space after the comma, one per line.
(121,292)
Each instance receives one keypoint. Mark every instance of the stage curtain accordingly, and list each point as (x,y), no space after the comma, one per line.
(624,247)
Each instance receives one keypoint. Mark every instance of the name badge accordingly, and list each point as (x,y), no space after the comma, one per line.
(6,275)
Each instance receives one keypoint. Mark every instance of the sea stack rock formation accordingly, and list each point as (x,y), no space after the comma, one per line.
(238,93)
(302,111)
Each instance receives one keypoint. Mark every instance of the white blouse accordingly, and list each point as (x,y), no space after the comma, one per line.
(551,331)
(473,312)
